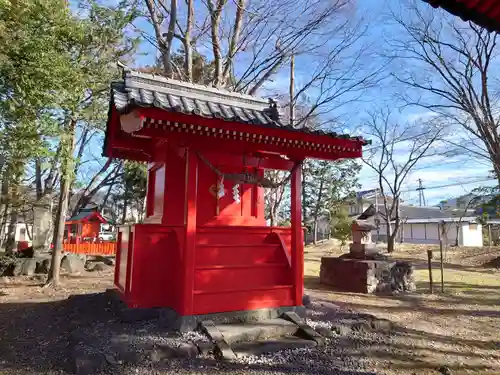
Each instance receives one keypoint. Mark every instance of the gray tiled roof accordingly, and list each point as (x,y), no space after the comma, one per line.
(146,90)
(413,212)
(416,212)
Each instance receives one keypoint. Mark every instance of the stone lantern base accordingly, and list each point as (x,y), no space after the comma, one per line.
(366,275)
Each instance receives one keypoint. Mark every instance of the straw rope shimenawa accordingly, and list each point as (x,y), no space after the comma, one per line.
(248,178)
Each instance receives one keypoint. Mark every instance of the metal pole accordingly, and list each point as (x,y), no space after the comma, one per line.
(377,216)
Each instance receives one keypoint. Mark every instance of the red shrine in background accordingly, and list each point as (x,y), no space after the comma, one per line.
(204,246)
(81,234)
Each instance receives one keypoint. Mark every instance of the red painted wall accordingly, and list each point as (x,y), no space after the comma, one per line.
(249,211)
(166,188)
(198,254)
(236,268)
(90,229)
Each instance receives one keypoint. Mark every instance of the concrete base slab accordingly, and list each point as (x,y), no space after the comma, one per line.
(222,350)
(254,331)
(304,331)
(170,318)
(260,347)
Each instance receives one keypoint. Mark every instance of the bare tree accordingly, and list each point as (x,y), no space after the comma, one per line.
(451,66)
(392,158)
(102,178)
(259,37)
(274,197)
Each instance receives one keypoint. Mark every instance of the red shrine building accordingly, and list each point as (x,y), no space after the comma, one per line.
(204,247)
(485,13)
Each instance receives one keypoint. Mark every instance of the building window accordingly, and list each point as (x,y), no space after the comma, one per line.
(472,226)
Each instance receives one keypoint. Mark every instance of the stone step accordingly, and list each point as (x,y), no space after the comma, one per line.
(260,347)
(254,331)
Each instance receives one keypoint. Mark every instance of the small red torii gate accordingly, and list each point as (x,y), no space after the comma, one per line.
(204,246)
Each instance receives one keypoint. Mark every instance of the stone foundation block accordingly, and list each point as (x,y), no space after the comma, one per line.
(355,275)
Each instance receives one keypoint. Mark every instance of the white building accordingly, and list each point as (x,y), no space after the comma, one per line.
(426,231)
(22,232)
(420,225)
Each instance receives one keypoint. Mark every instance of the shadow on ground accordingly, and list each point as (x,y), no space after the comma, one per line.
(41,338)
(408,348)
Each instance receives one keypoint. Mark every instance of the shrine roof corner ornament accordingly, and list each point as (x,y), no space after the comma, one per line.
(146,106)
(485,13)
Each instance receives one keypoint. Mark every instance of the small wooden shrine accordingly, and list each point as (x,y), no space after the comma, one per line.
(81,234)
(204,246)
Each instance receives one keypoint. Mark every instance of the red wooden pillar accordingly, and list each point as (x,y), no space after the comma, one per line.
(297,233)
(191,188)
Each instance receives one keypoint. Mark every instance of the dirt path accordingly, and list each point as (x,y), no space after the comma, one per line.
(36,323)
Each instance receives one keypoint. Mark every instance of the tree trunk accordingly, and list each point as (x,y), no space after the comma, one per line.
(390,237)
(315,233)
(125,204)
(5,207)
(11,232)
(273,215)
(3,223)
(496,167)
(62,209)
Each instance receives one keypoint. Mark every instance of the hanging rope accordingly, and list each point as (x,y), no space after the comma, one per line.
(248,178)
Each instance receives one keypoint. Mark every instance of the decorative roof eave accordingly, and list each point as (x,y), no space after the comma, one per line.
(190,113)
(153,123)
(140,90)
(485,13)
(254,136)
(134,118)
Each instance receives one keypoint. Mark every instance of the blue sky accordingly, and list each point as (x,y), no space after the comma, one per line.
(460,171)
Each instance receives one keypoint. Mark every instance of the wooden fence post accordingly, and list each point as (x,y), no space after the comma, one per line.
(442,233)
(429,263)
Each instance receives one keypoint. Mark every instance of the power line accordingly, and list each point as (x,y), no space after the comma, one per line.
(427,167)
(453,184)
(450,185)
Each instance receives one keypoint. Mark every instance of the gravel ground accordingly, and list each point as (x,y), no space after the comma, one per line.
(42,332)
(47,336)
(145,348)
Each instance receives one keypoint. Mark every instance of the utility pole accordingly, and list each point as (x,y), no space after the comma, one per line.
(377,218)
(292,83)
(421,196)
